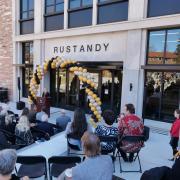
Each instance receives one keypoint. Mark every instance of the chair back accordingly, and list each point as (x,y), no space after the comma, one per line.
(133,139)
(57,164)
(109,139)
(72,146)
(30,160)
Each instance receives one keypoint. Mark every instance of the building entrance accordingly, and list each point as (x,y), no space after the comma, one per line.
(68,92)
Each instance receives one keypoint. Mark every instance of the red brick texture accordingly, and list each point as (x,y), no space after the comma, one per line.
(6,53)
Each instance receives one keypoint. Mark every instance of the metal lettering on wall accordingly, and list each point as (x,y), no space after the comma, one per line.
(103,47)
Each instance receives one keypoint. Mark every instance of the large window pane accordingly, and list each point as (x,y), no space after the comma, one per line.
(152,94)
(113,12)
(173,47)
(50,9)
(60,7)
(163,7)
(170,95)
(80,18)
(27,27)
(54,22)
(156,47)
(31,4)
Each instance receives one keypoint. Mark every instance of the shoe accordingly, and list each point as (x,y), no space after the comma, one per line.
(171,159)
(131,160)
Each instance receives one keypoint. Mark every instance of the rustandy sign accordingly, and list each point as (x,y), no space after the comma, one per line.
(98,47)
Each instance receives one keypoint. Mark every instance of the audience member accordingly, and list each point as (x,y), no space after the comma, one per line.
(7,163)
(107,129)
(95,166)
(129,125)
(23,130)
(175,130)
(63,120)
(77,127)
(45,126)
(39,115)
(9,125)
(25,112)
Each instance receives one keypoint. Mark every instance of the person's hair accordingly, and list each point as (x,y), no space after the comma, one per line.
(178,112)
(130,108)
(7,161)
(79,124)
(8,120)
(23,124)
(109,117)
(91,144)
(25,112)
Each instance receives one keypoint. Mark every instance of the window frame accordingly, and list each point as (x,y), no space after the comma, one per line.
(165,46)
(24,66)
(28,10)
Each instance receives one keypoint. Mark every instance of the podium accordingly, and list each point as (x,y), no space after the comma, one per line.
(44,102)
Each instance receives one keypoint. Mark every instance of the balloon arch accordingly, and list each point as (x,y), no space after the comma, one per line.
(77,69)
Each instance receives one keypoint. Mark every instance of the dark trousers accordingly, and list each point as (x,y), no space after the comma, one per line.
(174,144)
(125,157)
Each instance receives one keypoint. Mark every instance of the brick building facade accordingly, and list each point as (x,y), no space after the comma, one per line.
(6,53)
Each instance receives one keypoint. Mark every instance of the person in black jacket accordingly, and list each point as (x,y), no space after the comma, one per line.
(45,126)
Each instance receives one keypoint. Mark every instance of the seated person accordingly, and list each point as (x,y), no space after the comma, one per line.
(95,166)
(7,163)
(130,125)
(9,125)
(40,114)
(77,127)
(23,131)
(45,126)
(63,120)
(107,129)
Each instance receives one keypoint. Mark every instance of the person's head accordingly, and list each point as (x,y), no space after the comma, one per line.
(63,112)
(177,113)
(25,112)
(23,124)
(91,144)
(7,163)
(8,120)
(129,109)
(79,124)
(109,117)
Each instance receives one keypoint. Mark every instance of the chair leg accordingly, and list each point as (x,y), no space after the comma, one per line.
(119,156)
(140,170)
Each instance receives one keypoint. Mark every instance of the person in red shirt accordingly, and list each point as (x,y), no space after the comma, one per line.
(175,132)
(129,125)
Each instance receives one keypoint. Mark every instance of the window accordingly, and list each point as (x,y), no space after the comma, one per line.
(26,16)
(112,11)
(163,7)
(54,15)
(27,70)
(81,10)
(164,47)
(162,95)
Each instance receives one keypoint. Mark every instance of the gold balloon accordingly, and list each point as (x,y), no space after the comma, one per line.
(84,79)
(80,69)
(90,93)
(84,70)
(96,112)
(99,103)
(80,78)
(93,109)
(87,90)
(94,96)
(92,84)
(90,104)
(75,68)
(88,81)
(62,65)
